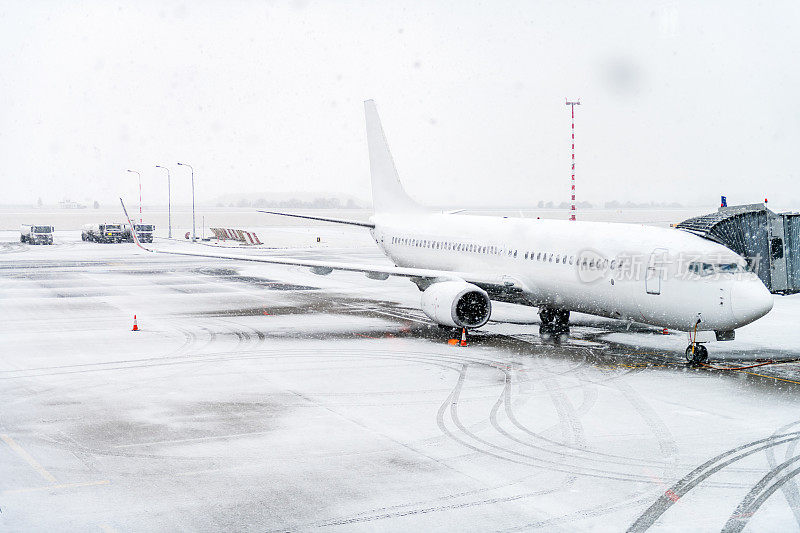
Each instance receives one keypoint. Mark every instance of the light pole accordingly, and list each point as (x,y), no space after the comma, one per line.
(169,202)
(194,237)
(140,194)
(572,105)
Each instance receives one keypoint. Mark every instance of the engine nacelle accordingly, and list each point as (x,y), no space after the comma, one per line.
(457,304)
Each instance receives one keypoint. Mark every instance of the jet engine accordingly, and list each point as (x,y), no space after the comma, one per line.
(456,304)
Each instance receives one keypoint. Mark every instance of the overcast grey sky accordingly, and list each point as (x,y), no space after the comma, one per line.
(680,101)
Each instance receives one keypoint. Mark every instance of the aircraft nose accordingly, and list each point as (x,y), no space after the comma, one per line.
(750,300)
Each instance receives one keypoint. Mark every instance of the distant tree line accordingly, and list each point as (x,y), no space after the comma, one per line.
(608,205)
(294,203)
(616,205)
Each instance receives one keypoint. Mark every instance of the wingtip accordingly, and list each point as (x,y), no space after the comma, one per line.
(133,228)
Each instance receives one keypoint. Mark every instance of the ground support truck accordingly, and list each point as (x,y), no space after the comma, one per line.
(143,231)
(33,234)
(102,233)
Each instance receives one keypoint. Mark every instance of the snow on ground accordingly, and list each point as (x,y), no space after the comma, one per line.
(265,398)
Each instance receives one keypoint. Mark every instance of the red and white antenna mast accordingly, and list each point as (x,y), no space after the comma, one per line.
(572,106)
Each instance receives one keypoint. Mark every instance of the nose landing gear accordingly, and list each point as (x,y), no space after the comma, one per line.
(696,354)
(555,324)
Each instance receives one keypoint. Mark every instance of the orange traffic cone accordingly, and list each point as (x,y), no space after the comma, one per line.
(463,336)
(135,326)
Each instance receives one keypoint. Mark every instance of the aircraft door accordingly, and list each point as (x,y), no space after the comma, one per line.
(656,271)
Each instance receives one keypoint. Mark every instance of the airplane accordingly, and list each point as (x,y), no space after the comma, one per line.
(663,277)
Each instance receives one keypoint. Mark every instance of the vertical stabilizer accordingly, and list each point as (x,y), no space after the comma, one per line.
(387,192)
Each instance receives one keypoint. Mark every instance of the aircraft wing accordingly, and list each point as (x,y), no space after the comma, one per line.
(423,277)
(323,219)
(371,270)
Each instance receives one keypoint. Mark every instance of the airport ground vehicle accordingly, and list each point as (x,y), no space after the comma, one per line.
(33,234)
(143,231)
(102,233)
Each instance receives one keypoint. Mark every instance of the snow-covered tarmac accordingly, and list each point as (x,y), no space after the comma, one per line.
(264,398)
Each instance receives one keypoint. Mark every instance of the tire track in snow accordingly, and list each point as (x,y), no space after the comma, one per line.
(490,449)
(703,472)
(760,493)
(789,489)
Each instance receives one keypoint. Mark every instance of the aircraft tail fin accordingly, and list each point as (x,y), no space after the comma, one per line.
(388,195)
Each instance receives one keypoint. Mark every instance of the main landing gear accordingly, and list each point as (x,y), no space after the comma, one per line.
(555,324)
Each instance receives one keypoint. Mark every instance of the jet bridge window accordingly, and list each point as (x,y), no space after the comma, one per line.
(776,248)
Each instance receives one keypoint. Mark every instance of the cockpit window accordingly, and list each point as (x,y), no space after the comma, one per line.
(707,269)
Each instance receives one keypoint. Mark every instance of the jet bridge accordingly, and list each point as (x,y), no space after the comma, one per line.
(770,241)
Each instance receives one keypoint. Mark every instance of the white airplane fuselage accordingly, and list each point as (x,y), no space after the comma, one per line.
(622,271)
